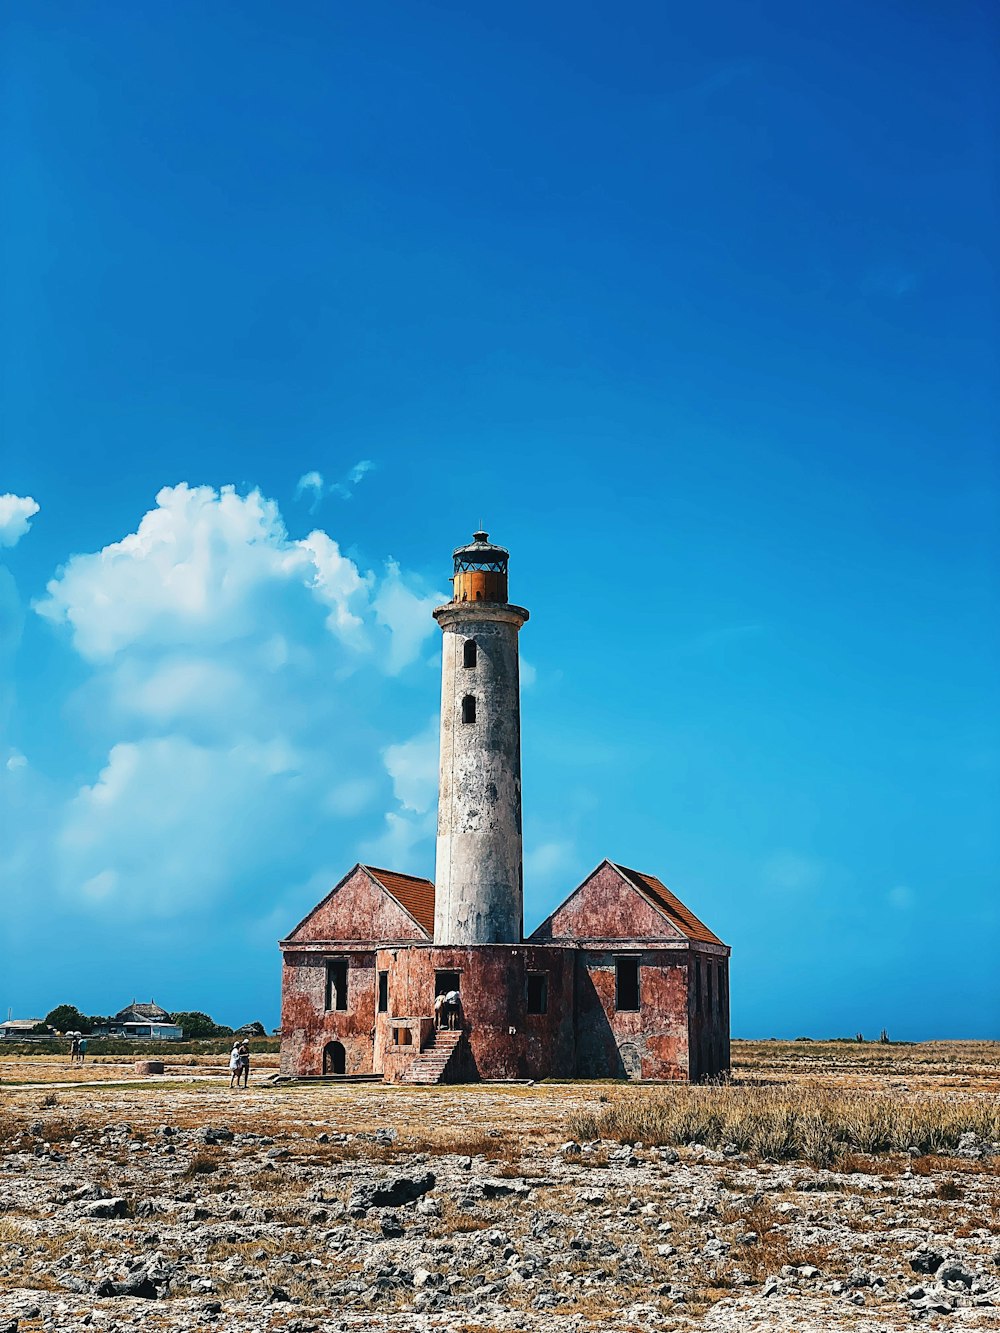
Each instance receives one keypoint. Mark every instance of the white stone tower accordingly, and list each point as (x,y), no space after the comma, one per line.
(479,879)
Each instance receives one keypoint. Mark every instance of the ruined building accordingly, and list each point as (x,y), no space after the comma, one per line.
(620,981)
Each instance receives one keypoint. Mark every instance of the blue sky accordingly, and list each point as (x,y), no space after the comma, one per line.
(694,307)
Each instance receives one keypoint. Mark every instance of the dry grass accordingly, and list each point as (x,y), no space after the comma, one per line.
(814,1124)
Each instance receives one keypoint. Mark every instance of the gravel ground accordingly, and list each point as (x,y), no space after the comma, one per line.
(184,1206)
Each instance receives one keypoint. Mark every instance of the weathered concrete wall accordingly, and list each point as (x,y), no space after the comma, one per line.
(493,986)
(307,1025)
(479,878)
(607,907)
(708,1014)
(650,1042)
(357,909)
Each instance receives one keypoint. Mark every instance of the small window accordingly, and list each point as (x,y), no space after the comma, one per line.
(336,984)
(402,1037)
(468,709)
(538,993)
(469,653)
(383,992)
(627,983)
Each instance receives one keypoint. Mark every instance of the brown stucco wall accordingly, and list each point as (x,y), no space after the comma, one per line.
(493,989)
(650,1042)
(307,1026)
(357,909)
(606,906)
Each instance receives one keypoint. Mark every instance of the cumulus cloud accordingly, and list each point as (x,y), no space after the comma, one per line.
(16,513)
(234,689)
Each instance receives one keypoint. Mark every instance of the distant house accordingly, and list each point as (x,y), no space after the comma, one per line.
(148,1021)
(22,1029)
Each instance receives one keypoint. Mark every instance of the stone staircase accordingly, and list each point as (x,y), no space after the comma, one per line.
(432,1063)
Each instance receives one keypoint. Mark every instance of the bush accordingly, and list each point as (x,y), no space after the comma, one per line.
(781,1123)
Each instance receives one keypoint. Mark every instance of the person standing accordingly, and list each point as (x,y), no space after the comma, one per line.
(454,1004)
(234,1065)
(244,1064)
(82,1049)
(74,1048)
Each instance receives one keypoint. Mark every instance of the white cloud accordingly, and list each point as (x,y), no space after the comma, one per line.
(16,513)
(406,614)
(237,689)
(313,484)
(413,767)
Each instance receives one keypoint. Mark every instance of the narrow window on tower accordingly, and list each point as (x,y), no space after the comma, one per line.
(469,653)
(336,983)
(468,709)
(627,983)
(538,993)
(383,992)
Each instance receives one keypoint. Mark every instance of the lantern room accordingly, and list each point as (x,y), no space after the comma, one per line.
(480,571)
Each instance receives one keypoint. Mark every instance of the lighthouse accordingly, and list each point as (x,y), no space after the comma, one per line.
(479,876)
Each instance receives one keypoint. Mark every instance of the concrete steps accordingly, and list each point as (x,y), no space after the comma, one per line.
(431,1064)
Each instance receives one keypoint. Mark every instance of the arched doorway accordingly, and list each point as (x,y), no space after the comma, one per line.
(334,1058)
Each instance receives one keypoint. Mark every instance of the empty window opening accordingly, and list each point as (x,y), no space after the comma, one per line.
(479,595)
(383,992)
(336,984)
(538,993)
(469,653)
(334,1058)
(445,982)
(468,709)
(627,983)
(402,1037)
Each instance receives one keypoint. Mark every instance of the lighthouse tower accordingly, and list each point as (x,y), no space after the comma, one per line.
(479,877)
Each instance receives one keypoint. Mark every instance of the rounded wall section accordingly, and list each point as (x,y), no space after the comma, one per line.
(478,877)
(480,585)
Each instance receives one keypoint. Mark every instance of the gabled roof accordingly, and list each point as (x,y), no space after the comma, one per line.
(414,894)
(682,917)
(142,1013)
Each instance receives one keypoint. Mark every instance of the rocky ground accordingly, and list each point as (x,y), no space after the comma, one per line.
(185,1206)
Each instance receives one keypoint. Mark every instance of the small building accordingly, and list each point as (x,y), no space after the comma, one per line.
(23,1029)
(145,1021)
(623,980)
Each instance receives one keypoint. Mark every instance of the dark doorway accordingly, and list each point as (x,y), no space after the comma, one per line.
(446,981)
(334,1058)
(336,983)
(538,993)
(627,983)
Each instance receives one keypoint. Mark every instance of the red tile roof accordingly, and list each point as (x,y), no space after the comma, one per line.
(416,895)
(682,917)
